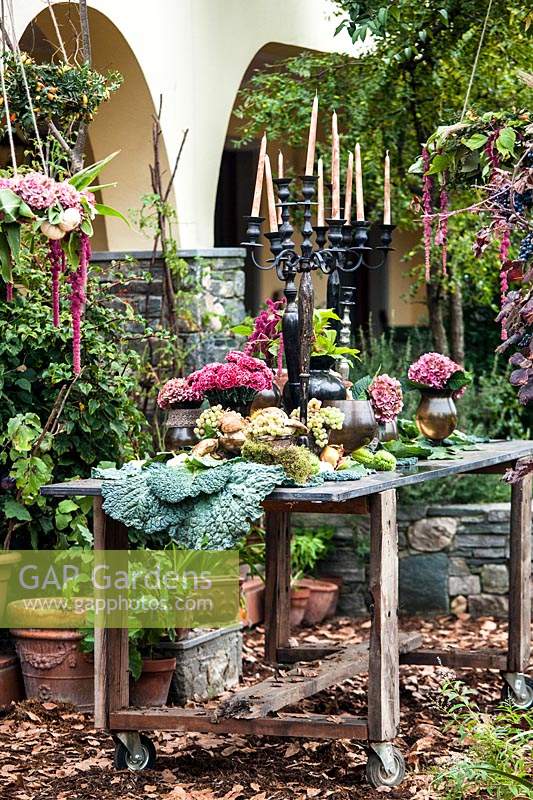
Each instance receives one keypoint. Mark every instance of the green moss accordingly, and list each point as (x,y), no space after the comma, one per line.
(298,462)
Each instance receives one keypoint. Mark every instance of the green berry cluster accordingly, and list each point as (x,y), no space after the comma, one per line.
(208,422)
(269,423)
(320,420)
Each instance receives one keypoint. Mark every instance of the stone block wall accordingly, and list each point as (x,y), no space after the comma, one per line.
(453,558)
(219,302)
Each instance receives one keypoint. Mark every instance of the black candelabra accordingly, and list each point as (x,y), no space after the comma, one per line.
(338,248)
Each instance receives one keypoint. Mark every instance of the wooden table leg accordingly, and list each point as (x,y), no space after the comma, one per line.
(277,582)
(519,651)
(111,687)
(384,671)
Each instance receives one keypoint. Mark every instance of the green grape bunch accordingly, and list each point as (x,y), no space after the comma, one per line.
(321,420)
(207,424)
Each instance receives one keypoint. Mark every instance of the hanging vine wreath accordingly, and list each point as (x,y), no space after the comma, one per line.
(62,212)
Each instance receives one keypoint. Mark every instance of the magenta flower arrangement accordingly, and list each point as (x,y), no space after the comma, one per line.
(385,394)
(62,212)
(179,393)
(437,372)
(233,383)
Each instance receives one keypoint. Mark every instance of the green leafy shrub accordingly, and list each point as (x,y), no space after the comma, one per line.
(55,427)
(498,761)
(308,547)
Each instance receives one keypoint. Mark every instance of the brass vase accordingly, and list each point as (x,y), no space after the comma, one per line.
(359,427)
(436,416)
(180,424)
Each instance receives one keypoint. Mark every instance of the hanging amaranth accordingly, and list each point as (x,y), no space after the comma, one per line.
(505,244)
(427,183)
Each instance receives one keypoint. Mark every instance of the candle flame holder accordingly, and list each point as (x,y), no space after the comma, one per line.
(336,249)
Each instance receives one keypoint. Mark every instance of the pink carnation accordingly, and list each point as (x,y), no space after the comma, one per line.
(433,370)
(386,397)
(177,391)
(36,189)
(240,370)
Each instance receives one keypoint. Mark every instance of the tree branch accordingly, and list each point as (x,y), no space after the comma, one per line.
(58,136)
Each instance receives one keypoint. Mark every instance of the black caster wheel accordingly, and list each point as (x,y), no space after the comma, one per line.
(376,774)
(521,703)
(145,760)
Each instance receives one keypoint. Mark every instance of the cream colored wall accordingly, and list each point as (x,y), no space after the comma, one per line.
(404,309)
(194,52)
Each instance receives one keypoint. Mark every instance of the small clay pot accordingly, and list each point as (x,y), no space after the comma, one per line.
(54,667)
(253,591)
(11,688)
(299,599)
(436,415)
(180,424)
(359,427)
(320,601)
(388,431)
(153,685)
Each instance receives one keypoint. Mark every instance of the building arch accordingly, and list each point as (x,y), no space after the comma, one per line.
(123,124)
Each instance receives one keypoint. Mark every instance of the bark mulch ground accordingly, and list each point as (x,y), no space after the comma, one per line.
(50,752)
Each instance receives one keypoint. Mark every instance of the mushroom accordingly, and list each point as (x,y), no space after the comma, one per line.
(205,447)
(233,442)
(231,422)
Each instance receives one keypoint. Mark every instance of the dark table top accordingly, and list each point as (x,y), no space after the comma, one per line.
(487,455)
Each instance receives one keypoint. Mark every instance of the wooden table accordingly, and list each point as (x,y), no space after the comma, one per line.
(251,710)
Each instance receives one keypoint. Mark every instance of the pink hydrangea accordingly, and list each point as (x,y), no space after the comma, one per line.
(36,189)
(68,196)
(433,370)
(239,370)
(178,391)
(386,397)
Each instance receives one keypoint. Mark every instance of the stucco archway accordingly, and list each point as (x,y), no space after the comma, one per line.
(124,123)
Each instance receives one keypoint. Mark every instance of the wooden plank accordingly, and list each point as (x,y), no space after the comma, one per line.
(303,681)
(315,726)
(277,582)
(305,652)
(383,672)
(359,505)
(520,576)
(111,687)
(477,659)
(487,455)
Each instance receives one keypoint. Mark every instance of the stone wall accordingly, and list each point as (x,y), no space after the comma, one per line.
(218,303)
(452,558)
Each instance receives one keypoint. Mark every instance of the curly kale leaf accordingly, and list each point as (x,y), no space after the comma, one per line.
(217,522)
(174,484)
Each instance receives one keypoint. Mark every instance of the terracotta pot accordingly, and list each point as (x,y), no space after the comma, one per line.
(332,610)
(359,427)
(253,591)
(152,687)
(180,424)
(436,415)
(54,668)
(299,599)
(322,596)
(11,688)
(7,561)
(388,431)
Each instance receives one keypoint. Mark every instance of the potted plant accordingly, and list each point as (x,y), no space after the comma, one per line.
(440,382)
(308,547)
(181,401)
(233,384)
(56,664)
(150,674)
(252,588)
